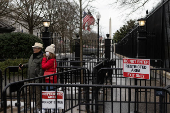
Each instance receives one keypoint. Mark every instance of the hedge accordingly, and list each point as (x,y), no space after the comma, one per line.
(12,62)
(17,45)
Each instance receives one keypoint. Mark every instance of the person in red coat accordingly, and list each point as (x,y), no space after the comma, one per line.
(49,64)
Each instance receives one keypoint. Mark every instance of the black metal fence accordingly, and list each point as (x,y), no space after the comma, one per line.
(13,74)
(72,76)
(158,77)
(69,48)
(111,98)
(128,45)
(128,48)
(105,70)
(157,37)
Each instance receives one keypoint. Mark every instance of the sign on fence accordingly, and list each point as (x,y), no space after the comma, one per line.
(49,99)
(136,68)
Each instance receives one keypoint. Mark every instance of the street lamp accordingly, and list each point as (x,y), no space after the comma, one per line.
(46,34)
(142,21)
(141,47)
(141,24)
(98,16)
(46,23)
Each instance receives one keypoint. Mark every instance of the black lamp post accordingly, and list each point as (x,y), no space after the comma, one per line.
(141,39)
(46,34)
(98,16)
(141,50)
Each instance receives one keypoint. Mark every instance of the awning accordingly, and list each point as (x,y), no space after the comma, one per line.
(5,28)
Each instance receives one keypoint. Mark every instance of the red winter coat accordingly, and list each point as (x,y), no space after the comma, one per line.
(48,66)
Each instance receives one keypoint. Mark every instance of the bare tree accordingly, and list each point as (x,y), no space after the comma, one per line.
(81,9)
(64,19)
(5,7)
(28,13)
(132,6)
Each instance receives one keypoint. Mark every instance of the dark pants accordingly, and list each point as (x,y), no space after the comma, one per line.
(33,92)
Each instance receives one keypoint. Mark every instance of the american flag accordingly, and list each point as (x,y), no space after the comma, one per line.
(85,19)
(90,22)
(89,19)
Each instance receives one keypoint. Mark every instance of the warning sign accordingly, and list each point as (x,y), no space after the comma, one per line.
(49,99)
(136,68)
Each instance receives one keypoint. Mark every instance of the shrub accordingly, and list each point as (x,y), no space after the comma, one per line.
(12,62)
(17,45)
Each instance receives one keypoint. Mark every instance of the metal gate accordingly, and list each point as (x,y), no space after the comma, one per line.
(111,98)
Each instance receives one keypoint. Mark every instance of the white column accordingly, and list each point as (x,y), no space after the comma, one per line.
(110,28)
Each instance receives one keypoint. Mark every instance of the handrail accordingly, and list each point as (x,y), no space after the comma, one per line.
(36,78)
(31,79)
(122,69)
(95,85)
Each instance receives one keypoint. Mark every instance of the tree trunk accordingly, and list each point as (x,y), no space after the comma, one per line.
(31,31)
(80,34)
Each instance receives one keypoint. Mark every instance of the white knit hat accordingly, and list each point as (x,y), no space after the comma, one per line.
(50,48)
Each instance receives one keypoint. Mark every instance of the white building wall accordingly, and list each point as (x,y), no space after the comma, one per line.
(18,26)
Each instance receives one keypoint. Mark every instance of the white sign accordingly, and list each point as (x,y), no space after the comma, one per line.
(136,68)
(49,99)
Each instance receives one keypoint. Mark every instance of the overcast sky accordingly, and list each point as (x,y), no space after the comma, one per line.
(118,17)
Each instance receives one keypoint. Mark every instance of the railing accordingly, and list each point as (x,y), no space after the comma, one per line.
(112,98)
(102,72)
(154,45)
(13,74)
(14,87)
(158,77)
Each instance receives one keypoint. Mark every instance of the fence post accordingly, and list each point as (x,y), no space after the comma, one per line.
(4,101)
(1,86)
(107,48)
(77,49)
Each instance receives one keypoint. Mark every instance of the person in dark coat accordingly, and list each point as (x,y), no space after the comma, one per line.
(34,70)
